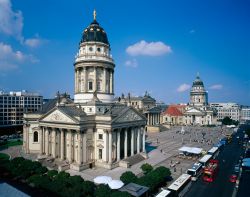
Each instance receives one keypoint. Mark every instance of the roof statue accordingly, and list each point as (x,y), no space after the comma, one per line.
(94,14)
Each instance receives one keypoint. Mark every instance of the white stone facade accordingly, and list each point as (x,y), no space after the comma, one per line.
(92,130)
(231,110)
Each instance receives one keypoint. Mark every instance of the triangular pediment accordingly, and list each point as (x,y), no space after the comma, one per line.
(129,115)
(193,111)
(58,116)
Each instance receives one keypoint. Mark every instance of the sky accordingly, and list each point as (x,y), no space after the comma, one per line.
(158,46)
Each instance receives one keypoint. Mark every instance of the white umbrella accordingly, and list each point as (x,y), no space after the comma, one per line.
(102,179)
(115,184)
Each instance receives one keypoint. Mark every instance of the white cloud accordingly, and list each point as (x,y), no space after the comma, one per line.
(11,22)
(34,42)
(148,48)
(216,87)
(131,63)
(183,87)
(10,59)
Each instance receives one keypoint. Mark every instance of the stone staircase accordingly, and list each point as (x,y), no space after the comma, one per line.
(134,159)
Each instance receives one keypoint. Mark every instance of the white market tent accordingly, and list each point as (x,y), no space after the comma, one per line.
(115,184)
(192,150)
(102,179)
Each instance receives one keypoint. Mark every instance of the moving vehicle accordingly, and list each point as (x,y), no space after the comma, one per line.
(204,160)
(195,171)
(180,186)
(214,152)
(164,193)
(233,178)
(237,168)
(211,170)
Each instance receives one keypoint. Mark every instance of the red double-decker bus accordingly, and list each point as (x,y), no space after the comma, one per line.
(210,171)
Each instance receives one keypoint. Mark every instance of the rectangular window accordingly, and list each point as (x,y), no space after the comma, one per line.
(98,86)
(100,153)
(90,85)
(100,136)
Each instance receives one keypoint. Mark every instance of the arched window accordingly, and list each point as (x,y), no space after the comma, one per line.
(35,136)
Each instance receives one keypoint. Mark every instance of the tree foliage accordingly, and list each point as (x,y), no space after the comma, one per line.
(102,191)
(146,168)
(120,194)
(128,177)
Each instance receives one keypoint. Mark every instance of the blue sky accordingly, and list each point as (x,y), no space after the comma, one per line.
(158,46)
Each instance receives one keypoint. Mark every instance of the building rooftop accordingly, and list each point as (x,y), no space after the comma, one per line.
(134,189)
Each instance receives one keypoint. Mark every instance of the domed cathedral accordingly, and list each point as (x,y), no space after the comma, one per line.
(94,66)
(198,94)
(197,111)
(92,130)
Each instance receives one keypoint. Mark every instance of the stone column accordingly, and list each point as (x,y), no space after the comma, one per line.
(62,144)
(27,140)
(84,147)
(138,140)
(132,141)
(53,144)
(75,81)
(110,146)
(104,79)
(95,80)
(118,145)
(85,79)
(143,140)
(44,140)
(47,140)
(126,143)
(111,82)
(70,146)
(79,148)
(41,140)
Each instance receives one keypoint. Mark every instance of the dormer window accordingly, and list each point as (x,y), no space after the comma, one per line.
(99,49)
(90,48)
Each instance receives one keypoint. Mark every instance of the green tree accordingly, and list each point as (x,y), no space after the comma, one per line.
(52,173)
(102,191)
(88,188)
(227,121)
(128,177)
(248,132)
(120,194)
(146,168)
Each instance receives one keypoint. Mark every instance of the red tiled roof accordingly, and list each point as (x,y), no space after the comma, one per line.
(173,110)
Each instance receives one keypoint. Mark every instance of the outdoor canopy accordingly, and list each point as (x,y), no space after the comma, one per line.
(115,184)
(102,179)
(192,150)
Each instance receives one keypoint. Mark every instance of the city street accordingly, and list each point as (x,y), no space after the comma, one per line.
(221,187)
